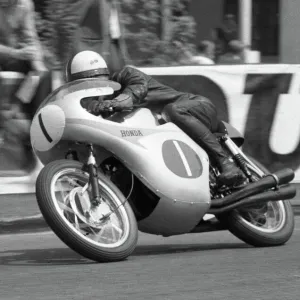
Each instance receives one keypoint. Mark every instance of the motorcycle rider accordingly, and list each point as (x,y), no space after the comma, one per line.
(194,114)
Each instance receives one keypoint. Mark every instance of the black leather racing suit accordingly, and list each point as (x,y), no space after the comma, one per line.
(195,115)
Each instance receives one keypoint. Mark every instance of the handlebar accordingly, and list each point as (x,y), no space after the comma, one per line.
(112,110)
(118,109)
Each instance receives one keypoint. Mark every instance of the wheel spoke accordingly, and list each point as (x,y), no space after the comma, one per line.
(76,222)
(251,217)
(269,223)
(118,229)
(98,235)
(80,226)
(61,191)
(66,199)
(83,226)
(107,239)
(70,181)
(64,207)
(272,210)
(113,233)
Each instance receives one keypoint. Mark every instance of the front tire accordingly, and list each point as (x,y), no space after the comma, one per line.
(247,228)
(111,240)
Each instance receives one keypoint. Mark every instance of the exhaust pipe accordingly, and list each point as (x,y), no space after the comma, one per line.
(268,182)
(284,193)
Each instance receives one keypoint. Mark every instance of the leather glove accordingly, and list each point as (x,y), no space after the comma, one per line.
(103,106)
(91,105)
(94,106)
(122,102)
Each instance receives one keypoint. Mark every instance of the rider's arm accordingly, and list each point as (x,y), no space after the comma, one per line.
(134,83)
(8,52)
(135,89)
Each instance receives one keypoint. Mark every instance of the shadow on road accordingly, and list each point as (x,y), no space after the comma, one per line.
(65,256)
(182,248)
(57,256)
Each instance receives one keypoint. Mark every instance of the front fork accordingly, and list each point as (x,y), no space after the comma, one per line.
(91,168)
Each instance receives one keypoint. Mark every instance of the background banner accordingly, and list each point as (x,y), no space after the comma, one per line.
(261,101)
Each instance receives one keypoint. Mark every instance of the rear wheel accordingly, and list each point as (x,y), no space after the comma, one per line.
(269,224)
(105,233)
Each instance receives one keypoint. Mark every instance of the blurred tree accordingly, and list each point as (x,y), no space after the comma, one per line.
(56,21)
(158,32)
(66,26)
(46,25)
(166,14)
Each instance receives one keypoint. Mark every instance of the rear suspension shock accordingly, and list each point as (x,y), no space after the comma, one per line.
(235,151)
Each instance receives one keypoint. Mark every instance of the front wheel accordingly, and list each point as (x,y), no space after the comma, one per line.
(269,224)
(105,233)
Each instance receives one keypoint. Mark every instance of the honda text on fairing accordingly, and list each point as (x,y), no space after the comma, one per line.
(106,177)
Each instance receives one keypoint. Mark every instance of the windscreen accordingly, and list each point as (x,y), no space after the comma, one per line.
(79,85)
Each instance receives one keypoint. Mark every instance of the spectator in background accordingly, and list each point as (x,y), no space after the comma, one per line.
(19,45)
(101,30)
(182,55)
(229,28)
(234,54)
(206,50)
(228,31)
(21,51)
(219,41)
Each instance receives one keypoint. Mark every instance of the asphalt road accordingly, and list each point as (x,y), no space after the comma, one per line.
(200,266)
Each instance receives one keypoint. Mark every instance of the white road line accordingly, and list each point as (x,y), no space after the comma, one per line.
(26,234)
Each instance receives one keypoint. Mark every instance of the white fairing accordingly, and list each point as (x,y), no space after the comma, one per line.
(163,157)
(141,118)
(55,128)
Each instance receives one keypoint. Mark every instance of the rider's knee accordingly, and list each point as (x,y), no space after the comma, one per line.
(172,110)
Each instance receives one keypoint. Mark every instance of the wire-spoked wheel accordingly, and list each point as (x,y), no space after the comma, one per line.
(104,232)
(263,225)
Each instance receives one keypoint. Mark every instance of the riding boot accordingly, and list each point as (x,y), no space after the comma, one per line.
(198,119)
(230,173)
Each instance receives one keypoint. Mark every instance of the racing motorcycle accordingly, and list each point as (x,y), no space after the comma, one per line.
(107,177)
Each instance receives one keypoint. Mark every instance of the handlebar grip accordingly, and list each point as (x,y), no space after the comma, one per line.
(119,109)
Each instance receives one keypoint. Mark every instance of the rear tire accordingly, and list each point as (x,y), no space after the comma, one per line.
(75,239)
(253,235)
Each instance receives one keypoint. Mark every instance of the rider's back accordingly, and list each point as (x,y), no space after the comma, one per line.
(154,91)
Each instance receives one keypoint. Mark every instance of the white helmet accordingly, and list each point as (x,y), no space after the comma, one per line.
(86,64)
